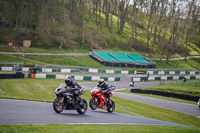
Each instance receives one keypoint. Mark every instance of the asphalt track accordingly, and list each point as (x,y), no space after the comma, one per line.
(30,112)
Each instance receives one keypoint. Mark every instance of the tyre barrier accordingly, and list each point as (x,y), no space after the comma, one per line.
(166,78)
(166,94)
(11,76)
(76,77)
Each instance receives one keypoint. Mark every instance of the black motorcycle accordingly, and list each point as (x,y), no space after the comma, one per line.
(69,99)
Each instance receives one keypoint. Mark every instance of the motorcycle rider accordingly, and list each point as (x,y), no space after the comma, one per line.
(72,84)
(105,89)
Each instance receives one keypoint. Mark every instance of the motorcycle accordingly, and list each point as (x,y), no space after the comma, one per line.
(199,103)
(98,99)
(131,84)
(69,99)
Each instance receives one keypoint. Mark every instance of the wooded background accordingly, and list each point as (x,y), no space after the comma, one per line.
(167,27)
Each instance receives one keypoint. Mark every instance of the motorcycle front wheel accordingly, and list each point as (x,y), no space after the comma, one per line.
(58,105)
(83,107)
(93,103)
(111,107)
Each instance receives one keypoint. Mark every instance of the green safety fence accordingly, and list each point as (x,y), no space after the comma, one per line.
(169,78)
(157,78)
(84,69)
(50,76)
(117,71)
(101,71)
(56,70)
(87,78)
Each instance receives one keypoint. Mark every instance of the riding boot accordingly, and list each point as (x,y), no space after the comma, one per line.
(108,101)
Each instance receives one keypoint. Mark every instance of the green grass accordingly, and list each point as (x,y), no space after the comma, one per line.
(63,128)
(87,61)
(66,60)
(29,60)
(191,88)
(55,50)
(43,90)
(52,50)
(30,89)
(18,59)
(190,63)
(160,97)
(5,48)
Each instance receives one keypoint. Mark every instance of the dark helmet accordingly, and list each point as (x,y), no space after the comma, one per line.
(68,80)
(101,82)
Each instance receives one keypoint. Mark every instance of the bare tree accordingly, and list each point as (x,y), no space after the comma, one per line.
(176,30)
(135,9)
(107,11)
(113,10)
(18,4)
(123,13)
(190,22)
(152,12)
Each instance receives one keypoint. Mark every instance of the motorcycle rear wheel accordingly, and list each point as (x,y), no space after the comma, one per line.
(93,104)
(83,108)
(57,105)
(111,107)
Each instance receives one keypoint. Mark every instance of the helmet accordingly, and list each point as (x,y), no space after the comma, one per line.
(68,80)
(101,82)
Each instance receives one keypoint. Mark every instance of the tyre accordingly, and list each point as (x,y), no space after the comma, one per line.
(111,107)
(58,105)
(198,103)
(93,103)
(83,107)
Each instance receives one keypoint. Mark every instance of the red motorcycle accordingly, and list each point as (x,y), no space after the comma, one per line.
(98,99)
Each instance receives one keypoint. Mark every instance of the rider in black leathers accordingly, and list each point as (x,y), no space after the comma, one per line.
(105,89)
(72,84)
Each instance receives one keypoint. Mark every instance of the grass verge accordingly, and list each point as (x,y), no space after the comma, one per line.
(179,64)
(43,90)
(86,61)
(160,97)
(191,88)
(60,128)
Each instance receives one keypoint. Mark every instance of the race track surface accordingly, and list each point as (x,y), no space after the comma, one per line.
(30,112)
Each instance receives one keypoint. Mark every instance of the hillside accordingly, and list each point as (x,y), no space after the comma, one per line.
(109,25)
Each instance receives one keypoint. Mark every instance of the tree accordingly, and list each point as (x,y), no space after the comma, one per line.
(113,10)
(123,13)
(18,6)
(190,24)
(152,12)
